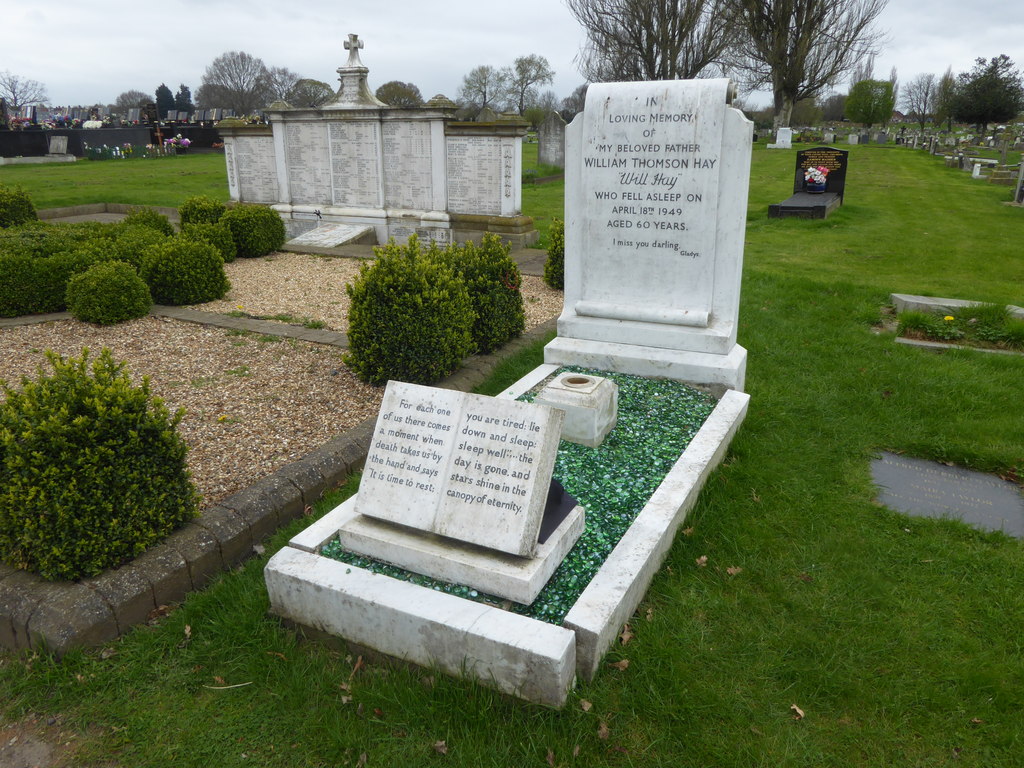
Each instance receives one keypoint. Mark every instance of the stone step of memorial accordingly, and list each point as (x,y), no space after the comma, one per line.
(331,236)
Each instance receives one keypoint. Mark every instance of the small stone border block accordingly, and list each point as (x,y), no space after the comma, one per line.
(415,624)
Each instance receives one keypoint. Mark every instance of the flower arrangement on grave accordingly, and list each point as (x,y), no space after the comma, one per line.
(816,174)
(176,143)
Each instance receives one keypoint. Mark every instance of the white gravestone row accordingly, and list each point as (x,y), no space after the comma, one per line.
(656,194)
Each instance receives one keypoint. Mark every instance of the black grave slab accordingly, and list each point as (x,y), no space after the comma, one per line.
(928,489)
(814,205)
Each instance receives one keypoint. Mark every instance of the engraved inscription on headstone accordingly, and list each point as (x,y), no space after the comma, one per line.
(257,171)
(827,157)
(355,163)
(474,183)
(306,154)
(929,489)
(407,165)
(469,467)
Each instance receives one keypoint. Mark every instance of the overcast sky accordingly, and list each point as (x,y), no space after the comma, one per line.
(89,52)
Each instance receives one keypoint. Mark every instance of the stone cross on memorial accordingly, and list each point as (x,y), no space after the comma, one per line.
(352,45)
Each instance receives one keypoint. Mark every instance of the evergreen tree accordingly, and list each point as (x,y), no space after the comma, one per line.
(164,100)
(183,99)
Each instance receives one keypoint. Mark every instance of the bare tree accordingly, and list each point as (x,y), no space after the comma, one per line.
(235,80)
(280,80)
(131,100)
(398,94)
(523,77)
(484,86)
(802,47)
(308,93)
(652,39)
(573,104)
(20,92)
(945,92)
(919,98)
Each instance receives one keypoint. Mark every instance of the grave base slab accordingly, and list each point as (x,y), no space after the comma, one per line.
(804,205)
(517,655)
(716,373)
(515,578)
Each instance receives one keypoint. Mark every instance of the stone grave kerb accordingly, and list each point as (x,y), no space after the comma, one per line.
(657,176)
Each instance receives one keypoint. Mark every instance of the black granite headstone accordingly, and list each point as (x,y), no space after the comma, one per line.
(928,489)
(827,157)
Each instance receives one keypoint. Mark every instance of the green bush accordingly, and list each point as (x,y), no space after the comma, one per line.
(493,281)
(15,207)
(218,235)
(148,217)
(257,230)
(182,271)
(92,469)
(554,267)
(33,285)
(410,318)
(107,293)
(200,209)
(132,242)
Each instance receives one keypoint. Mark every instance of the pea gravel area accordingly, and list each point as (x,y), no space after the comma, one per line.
(307,287)
(253,403)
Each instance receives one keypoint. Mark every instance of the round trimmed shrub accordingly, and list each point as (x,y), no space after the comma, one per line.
(15,207)
(200,209)
(107,293)
(92,469)
(256,229)
(492,278)
(410,318)
(148,217)
(132,243)
(182,271)
(554,267)
(218,235)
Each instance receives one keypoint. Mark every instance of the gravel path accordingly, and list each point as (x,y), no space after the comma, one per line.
(252,403)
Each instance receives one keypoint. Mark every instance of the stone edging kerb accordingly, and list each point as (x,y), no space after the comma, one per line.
(59,616)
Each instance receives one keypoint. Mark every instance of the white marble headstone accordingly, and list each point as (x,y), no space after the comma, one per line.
(656,192)
(472,468)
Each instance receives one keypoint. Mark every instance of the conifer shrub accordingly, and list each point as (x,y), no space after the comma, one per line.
(182,271)
(492,278)
(148,217)
(200,209)
(554,267)
(132,242)
(108,292)
(216,234)
(410,317)
(92,469)
(16,207)
(256,229)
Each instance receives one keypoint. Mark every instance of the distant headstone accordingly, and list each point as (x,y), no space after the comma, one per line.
(58,145)
(853,138)
(830,137)
(172,114)
(881,137)
(657,176)
(1019,196)
(929,489)
(783,139)
(551,141)
(475,470)
(134,114)
(865,138)
(835,160)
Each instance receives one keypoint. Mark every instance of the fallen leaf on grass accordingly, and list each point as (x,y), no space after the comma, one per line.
(650,614)
(602,731)
(346,699)
(687,531)
(219,680)
(798,714)
(279,655)
(732,570)
(551,758)
(363,758)
(626,635)
(702,561)
(585,705)
(441,747)
(576,751)
(356,668)
(378,712)
(624,664)
(806,578)
(976,721)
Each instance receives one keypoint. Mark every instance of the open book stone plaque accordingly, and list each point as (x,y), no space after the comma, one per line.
(455,487)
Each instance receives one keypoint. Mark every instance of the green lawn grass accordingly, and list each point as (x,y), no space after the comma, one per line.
(898,638)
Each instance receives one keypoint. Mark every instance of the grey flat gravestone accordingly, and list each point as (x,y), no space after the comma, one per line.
(551,141)
(657,175)
(331,235)
(455,487)
(929,489)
